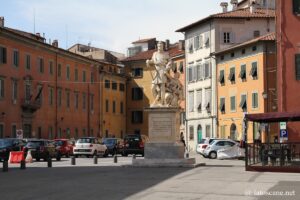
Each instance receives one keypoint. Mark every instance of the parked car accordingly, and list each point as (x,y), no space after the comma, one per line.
(64,146)
(203,144)
(134,144)
(90,146)
(10,144)
(212,149)
(114,145)
(41,148)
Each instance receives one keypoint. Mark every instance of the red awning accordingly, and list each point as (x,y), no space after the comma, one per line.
(273,117)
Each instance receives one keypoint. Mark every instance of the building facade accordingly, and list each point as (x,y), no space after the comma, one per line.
(203,38)
(46,91)
(288,58)
(246,85)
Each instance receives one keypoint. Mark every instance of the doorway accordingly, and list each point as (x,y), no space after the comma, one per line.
(27,131)
(233,134)
(199,133)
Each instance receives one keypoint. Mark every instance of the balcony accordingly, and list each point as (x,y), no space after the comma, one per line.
(30,105)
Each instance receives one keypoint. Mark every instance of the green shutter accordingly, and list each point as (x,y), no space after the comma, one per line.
(296,6)
(297,65)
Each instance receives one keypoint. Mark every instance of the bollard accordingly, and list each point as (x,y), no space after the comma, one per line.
(73,160)
(5,166)
(95,159)
(23,164)
(133,156)
(115,158)
(49,162)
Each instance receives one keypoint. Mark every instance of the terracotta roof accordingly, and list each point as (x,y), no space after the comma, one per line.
(26,34)
(143,40)
(267,37)
(173,51)
(240,13)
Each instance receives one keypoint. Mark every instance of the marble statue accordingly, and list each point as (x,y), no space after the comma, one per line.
(167,90)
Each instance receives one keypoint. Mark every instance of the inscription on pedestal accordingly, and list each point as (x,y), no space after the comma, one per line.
(162,126)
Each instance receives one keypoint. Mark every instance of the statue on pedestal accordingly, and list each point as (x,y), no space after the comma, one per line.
(167,90)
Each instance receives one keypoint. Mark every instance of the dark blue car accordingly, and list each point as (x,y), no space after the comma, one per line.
(114,145)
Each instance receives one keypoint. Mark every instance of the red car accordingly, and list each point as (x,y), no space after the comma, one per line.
(64,146)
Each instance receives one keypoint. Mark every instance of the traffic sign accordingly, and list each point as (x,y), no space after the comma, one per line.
(282,125)
(284,133)
(19,134)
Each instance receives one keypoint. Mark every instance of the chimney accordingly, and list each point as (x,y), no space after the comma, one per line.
(252,6)
(234,4)
(181,45)
(1,22)
(167,45)
(55,43)
(224,6)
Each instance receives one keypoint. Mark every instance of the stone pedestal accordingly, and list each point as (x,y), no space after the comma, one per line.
(164,148)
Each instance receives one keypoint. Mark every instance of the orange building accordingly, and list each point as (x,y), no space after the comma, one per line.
(246,84)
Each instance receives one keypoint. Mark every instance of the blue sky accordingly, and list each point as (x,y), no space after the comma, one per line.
(108,24)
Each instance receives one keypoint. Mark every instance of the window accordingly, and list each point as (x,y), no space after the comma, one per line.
(68,72)
(41,65)
(92,102)
(243,103)
(83,101)
(2,88)
(181,67)
(222,57)
(14,131)
(122,87)
(207,131)
(297,65)
(59,70)
(121,107)
(182,118)
(27,62)
(76,133)
(191,101)
(50,96)
(137,117)
(191,135)
(190,47)
(68,99)
(16,58)
(222,105)
(14,90)
(50,67)
(296,7)
(197,42)
(254,100)
(107,105)
(59,97)
(76,74)
(222,77)
(83,132)
(199,72)
(83,76)
(92,78)
(232,55)
(254,48)
(3,55)
(232,75)
(243,72)
(1,131)
(107,83)
(137,72)
(199,100)
(208,100)
(206,39)
(114,85)
(114,107)
(253,71)
(243,51)
(207,70)
(27,90)
(256,33)
(190,73)
(50,133)
(232,103)
(226,37)
(137,94)
(39,96)
(76,94)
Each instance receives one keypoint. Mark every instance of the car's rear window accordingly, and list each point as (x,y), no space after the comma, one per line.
(132,138)
(85,140)
(109,141)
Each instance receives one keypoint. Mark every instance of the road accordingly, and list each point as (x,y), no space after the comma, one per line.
(107,180)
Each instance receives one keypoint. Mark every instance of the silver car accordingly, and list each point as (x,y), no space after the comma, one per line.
(212,149)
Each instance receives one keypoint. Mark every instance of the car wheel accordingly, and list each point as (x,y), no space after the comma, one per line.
(213,155)
(58,157)
(105,153)
(37,159)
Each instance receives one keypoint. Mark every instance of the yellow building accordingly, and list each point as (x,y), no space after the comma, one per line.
(246,75)
(112,101)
